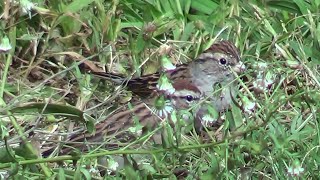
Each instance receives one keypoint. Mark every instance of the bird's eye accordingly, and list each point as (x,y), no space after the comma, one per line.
(189,98)
(223,61)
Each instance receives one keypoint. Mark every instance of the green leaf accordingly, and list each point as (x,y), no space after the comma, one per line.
(166,6)
(186,6)
(140,44)
(77,5)
(5,44)
(237,117)
(90,125)
(187,33)
(204,6)
(61,174)
(14,169)
(6,156)
(24,151)
(130,172)
(303,6)
(57,109)
(86,173)
(284,5)
(69,25)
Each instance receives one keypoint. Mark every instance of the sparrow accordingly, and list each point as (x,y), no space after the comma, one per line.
(127,123)
(211,68)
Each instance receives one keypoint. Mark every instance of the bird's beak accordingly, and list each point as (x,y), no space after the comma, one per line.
(239,68)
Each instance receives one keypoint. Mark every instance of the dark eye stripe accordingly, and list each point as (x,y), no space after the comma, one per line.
(189,98)
(202,60)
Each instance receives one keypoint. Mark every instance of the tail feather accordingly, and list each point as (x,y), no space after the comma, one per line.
(142,86)
(110,77)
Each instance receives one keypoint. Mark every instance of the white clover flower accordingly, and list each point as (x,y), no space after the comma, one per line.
(259,84)
(4,174)
(5,45)
(137,129)
(295,169)
(208,120)
(210,117)
(261,66)
(248,105)
(93,170)
(112,164)
(167,64)
(165,85)
(262,84)
(26,7)
(269,79)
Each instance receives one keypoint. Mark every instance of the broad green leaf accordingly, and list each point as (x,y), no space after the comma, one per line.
(187,33)
(204,6)
(61,174)
(86,173)
(303,6)
(6,156)
(237,117)
(284,5)
(90,123)
(57,109)
(77,5)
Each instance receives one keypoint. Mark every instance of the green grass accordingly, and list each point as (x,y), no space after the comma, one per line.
(50,41)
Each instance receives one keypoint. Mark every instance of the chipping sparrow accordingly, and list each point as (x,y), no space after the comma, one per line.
(212,67)
(131,121)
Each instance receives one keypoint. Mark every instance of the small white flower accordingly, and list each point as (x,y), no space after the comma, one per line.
(259,84)
(93,170)
(164,111)
(165,85)
(208,120)
(167,64)
(26,7)
(269,79)
(262,84)
(112,164)
(4,175)
(210,117)
(261,66)
(137,129)
(5,45)
(295,169)
(248,105)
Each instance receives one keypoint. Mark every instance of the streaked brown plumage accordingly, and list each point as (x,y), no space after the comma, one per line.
(142,112)
(210,68)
